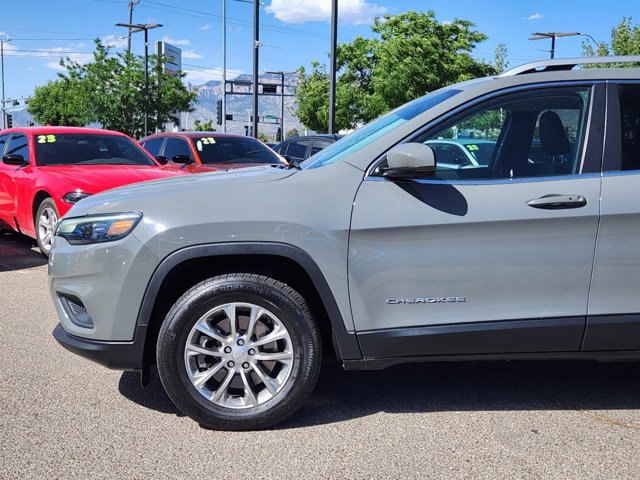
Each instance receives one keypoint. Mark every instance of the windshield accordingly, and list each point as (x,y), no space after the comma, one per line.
(234,150)
(374,130)
(88,149)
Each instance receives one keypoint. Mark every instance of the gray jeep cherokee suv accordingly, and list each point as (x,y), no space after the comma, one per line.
(372,252)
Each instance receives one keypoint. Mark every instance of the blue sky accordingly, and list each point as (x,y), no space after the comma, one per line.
(294,32)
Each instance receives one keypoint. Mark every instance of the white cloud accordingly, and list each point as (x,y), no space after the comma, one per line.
(205,27)
(534,16)
(300,11)
(176,42)
(198,77)
(190,54)
(114,42)
(55,66)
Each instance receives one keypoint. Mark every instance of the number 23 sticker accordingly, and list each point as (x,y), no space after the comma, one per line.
(46,138)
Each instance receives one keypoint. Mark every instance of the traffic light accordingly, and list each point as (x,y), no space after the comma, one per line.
(279,135)
(9,120)
(219,111)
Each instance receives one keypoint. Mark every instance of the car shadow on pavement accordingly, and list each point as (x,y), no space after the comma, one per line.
(18,252)
(445,387)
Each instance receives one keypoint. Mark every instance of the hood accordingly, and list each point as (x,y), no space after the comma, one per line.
(187,188)
(97,178)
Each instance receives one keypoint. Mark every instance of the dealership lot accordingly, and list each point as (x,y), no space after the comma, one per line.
(64,417)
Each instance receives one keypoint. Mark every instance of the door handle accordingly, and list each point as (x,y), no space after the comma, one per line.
(558,202)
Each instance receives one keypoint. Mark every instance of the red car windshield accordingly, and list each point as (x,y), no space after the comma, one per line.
(234,150)
(88,149)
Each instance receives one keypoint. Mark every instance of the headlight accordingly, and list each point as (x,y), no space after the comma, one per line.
(75,197)
(97,228)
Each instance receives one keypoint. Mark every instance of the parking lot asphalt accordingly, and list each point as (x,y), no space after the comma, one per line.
(62,416)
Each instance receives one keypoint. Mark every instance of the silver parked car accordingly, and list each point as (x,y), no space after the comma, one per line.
(372,252)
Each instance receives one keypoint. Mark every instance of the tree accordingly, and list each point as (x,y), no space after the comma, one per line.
(61,102)
(207,126)
(111,92)
(413,54)
(625,40)
(292,134)
(500,63)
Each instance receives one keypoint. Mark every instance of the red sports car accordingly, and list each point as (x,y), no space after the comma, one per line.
(45,170)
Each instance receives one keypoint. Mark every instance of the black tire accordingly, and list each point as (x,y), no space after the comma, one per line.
(280,307)
(46,218)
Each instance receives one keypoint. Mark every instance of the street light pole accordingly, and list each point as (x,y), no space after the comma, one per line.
(143,27)
(332,86)
(552,36)
(256,49)
(5,38)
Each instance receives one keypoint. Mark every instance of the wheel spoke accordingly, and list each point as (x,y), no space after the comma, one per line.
(202,378)
(198,350)
(230,311)
(224,385)
(278,334)
(267,381)
(276,356)
(47,238)
(256,313)
(203,327)
(250,397)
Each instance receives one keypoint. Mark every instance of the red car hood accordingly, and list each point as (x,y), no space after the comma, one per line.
(96,178)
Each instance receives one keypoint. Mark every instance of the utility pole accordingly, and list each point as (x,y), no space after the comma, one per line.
(256,49)
(132,3)
(224,66)
(5,38)
(332,86)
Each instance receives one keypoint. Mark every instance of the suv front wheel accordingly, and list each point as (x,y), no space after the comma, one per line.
(239,352)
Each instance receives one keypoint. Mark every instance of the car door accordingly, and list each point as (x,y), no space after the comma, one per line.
(491,259)
(6,185)
(15,181)
(614,304)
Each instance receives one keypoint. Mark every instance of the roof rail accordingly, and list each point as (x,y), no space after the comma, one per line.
(566,64)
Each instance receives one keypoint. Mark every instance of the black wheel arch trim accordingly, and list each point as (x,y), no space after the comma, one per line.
(347,342)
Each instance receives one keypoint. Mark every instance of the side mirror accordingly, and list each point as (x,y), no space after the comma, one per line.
(410,160)
(162,159)
(186,159)
(15,160)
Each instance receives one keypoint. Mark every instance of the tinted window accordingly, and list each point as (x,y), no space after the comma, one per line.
(153,146)
(176,146)
(18,145)
(3,141)
(630,126)
(532,134)
(88,149)
(319,145)
(298,150)
(234,150)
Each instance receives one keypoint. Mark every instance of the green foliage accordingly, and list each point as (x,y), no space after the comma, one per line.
(500,63)
(413,55)
(204,127)
(625,40)
(263,137)
(62,102)
(292,134)
(110,90)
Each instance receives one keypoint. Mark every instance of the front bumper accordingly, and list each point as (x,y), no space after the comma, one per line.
(115,355)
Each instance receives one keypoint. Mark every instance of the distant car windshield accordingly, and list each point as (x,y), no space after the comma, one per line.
(374,130)
(88,149)
(234,150)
